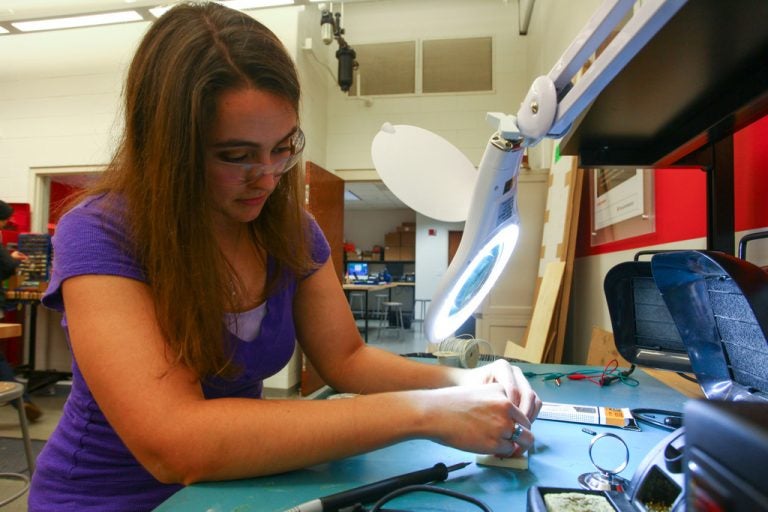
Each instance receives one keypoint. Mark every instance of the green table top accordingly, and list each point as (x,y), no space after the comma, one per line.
(558,458)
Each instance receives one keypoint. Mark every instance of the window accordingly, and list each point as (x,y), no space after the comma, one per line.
(457,65)
(385,68)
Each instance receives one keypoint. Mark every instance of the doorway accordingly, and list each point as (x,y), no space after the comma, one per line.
(454,239)
(53,186)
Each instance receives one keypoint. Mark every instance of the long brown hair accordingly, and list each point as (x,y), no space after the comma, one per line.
(186,59)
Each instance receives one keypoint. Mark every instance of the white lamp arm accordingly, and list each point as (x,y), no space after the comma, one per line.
(553,103)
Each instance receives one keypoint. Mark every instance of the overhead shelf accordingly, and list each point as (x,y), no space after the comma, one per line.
(702,77)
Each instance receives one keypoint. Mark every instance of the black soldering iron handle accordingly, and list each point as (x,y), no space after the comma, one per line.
(372,492)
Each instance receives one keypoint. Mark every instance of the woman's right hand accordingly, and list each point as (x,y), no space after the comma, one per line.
(479,419)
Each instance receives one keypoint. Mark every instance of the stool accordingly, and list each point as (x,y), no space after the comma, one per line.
(380,299)
(13,392)
(397,309)
(423,304)
(359,299)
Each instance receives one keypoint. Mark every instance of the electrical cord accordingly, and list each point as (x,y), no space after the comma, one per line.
(25,486)
(428,488)
(483,357)
(688,377)
(605,377)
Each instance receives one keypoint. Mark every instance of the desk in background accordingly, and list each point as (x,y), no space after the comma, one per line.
(36,379)
(368,288)
(559,457)
(10,330)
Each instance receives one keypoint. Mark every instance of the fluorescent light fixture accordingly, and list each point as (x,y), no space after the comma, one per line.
(88,20)
(241,5)
(3,30)
(350,196)
(160,10)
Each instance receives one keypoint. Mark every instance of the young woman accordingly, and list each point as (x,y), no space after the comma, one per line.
(189,273)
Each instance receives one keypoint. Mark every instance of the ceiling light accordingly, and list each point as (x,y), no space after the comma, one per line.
(159,11)
(254,4)
(78,21)
(3,30)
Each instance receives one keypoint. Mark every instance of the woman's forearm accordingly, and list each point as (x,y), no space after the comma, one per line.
(259,437)
(372,370)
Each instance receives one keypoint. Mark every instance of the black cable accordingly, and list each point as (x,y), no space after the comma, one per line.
(484,357)
(672,419)
(688,377)
(420,354)
(429,488)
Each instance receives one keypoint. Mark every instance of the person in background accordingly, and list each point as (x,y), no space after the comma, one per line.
(9,261)
(187,276)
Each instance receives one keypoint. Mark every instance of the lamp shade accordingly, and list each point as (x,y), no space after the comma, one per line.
(425,171)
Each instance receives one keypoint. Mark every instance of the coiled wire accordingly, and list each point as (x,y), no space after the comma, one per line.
(464,351)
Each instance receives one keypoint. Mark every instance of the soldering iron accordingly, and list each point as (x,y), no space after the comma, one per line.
(372,492)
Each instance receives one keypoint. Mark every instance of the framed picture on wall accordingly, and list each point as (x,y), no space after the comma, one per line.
(621,204)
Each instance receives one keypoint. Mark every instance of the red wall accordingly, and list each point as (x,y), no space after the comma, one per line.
(60,194)
(680,198)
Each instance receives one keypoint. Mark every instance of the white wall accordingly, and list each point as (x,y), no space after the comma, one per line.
(431,253)
(59,99)
(366,228)
(459,118)
(315,82)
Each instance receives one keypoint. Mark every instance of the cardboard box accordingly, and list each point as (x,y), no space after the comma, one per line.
(392,253)
(408,226)
(392,239)
(407,253)
(408,239)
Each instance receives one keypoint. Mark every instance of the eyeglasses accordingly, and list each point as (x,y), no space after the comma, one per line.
(238,168)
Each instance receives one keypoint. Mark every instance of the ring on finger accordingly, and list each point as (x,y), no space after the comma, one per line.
(516,433)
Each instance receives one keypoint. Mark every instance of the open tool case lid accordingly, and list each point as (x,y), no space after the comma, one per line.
(643,329)
(704,312)
(720,306)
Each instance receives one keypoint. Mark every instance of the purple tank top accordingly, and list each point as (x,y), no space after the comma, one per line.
(84,465)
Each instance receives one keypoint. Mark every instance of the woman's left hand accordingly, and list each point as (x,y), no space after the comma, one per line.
(515,385)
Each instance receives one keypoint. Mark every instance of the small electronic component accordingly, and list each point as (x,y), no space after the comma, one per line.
(519,462)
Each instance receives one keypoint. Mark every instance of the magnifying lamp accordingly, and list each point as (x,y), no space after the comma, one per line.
(549,109)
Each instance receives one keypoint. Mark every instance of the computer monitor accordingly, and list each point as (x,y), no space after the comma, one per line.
(358,270)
